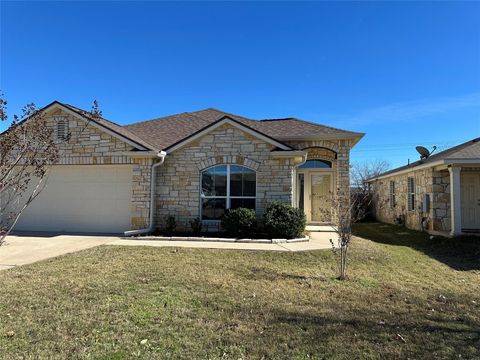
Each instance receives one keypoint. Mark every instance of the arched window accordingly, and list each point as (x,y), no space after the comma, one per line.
(316,164)
(227,187)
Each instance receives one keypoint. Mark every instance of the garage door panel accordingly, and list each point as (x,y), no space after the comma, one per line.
(90,199)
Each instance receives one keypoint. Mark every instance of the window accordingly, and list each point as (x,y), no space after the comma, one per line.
(392,194)
(62,127)
(316,164)
(227,187)
(411,193)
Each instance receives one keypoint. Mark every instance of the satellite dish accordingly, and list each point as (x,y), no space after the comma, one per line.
(423,151)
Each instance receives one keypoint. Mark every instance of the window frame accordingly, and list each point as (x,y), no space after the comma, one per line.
(227,197)
(326,162)
(411,193)
(392,194)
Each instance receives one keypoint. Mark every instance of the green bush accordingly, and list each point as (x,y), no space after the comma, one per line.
(196,225)
(284,221)
(239,222)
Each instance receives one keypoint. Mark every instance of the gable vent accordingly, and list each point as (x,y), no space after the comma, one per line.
(62,127)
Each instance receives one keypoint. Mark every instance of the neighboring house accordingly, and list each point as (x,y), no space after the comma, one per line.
(439,194)
(200,163)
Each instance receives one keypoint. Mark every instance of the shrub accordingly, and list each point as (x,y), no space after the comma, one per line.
(284,221)
(239,221)
(170,224)
(196,225)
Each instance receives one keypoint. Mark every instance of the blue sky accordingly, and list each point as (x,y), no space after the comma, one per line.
(405,73)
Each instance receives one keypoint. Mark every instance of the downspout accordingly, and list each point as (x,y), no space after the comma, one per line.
(153,179)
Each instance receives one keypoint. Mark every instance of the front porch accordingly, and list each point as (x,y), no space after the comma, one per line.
(317,185)
(464,199)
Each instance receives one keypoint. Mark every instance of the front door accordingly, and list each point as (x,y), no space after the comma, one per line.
(314,194)
(470,201)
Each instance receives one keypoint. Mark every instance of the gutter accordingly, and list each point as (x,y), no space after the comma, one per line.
(153,178)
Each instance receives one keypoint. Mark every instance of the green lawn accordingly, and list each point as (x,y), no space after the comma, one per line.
(407,297)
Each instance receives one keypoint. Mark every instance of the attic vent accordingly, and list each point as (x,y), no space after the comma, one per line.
(62,127)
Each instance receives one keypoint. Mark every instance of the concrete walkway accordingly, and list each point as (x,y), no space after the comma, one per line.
(20,250)
(318,240)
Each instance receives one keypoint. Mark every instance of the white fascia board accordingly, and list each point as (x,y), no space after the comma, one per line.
(140,154)
(441,163)
(405,171)
(355,137)
(463,161)
(287,153)
(234,124)
(94,124)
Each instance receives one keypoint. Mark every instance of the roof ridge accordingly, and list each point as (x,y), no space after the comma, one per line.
(456,147)
(228,114)
(278,119)
(155,119)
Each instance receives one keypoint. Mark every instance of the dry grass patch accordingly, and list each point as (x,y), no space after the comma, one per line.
(401,302)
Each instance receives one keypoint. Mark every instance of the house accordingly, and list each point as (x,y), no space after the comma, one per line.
(112,178)
(438,194)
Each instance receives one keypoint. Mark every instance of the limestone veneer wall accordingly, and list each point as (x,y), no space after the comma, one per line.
(178,180)
(341,167)
(427,181)
(89,145)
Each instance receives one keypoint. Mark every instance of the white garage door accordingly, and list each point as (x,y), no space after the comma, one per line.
(87,199)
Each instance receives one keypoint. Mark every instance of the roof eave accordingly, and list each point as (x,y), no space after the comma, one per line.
(355,136)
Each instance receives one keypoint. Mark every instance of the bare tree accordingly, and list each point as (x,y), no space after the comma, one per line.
(358,208)
(28,149)
(345,217)
(361,171)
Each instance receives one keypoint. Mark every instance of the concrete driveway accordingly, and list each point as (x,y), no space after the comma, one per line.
(20,250)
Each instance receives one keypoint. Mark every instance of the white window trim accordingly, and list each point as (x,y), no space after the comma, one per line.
(411,192)
(227,197)
(392,194)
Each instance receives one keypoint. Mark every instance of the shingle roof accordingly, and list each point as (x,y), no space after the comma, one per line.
(467,150)
(166,131)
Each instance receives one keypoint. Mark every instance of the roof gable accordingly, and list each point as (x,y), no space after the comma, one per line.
(107,126)
(215,125)
(166,131)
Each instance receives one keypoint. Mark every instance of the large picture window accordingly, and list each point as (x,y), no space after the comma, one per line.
(227,187)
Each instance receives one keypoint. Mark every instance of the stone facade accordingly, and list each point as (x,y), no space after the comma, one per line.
(178,180)
(427,181)
(340,165)
(89,145)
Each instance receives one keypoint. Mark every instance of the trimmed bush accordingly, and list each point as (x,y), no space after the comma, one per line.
(284,221)
(239,222)
(196,225)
